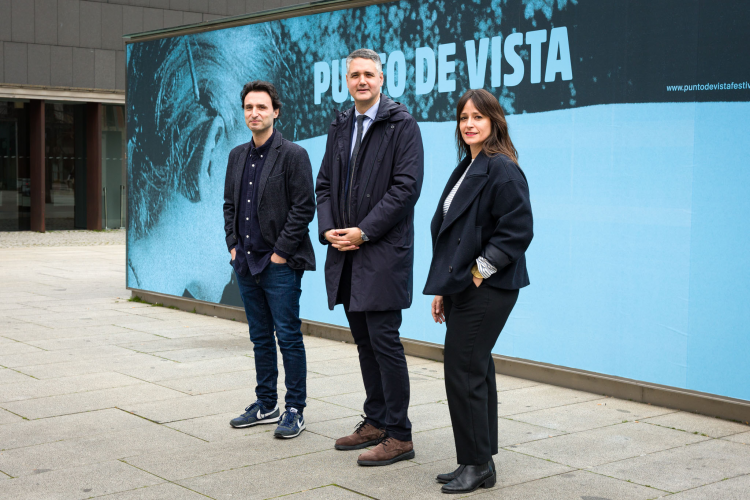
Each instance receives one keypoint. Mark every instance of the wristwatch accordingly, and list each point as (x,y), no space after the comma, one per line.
(363,236)
(475,272)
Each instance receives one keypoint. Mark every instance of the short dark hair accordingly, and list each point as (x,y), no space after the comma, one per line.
(261,86)
(364,54)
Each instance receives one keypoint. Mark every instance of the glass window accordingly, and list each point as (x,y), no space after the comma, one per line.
(113,166)
(15,185)
(65,163)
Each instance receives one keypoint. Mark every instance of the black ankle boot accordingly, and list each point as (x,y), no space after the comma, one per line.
(450,476)
(471,478)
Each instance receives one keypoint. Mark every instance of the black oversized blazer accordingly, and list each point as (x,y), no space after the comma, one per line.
(286,200)
(490,215)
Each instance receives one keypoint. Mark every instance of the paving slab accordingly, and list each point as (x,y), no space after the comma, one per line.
(690,422)
(336,352)
(245,450)
(32,432)
(311,470)
(153,371)
(421,392)
(220,382)
(742,438)
(684,467)
(312,342)
(216,427)
(15,347)
(93,449)
(439,444)
(7,417)
(591,414)
(507,383)
(736,488)
(434,445)
(538,397)
(320,411)
(513,432)
(41,357)
(202,354)
(80,482)
(83,321)
(607,444)
(333,428)
(39,336)
(428,370)
(576,485)
(324,386)
(93,339)
(185,407)
(8,376)
(334,367)
(160,344)
(331,492)
(429,416)
(167,330)
(34,389)
(120,397)
(52,319)
(419,482)
(163,491)
(120,364)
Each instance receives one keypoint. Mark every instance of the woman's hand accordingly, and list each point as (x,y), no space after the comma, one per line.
(477,281)
(438,312)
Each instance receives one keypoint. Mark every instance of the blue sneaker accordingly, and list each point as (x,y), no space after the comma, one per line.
(292,423)
(256,414)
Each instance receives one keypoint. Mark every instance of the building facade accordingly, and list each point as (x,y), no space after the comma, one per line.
(63,148)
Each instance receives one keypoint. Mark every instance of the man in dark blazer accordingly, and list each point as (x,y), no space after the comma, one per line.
(368,184)
(268,205)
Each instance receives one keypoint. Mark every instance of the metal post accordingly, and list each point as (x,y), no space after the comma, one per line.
(93,165)
(37,164)
(106,221)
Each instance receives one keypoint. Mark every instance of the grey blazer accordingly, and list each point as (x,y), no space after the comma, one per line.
(286,201)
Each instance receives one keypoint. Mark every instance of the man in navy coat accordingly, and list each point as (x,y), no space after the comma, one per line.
(368,184)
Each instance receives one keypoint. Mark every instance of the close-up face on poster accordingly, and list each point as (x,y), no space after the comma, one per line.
(630,122)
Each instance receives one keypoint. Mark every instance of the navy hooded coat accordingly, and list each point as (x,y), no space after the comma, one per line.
(386,189)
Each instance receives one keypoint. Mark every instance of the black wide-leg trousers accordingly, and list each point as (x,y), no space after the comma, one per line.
(474,318)
(382,361)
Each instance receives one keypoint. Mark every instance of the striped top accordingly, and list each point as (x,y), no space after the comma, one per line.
(485,268)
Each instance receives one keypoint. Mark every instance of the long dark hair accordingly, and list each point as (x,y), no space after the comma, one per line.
(499,140)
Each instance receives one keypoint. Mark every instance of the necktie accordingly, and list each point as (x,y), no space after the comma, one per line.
(352,170)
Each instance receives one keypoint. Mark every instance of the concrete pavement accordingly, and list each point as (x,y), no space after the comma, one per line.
(103,397)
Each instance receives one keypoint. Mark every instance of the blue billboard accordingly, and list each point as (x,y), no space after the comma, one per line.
(630,121)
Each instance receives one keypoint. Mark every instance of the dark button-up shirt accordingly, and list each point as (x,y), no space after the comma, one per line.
(253,253)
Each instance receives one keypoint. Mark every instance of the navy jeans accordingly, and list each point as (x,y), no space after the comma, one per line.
(271,300)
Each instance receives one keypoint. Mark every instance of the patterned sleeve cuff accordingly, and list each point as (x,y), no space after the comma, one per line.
(485,268)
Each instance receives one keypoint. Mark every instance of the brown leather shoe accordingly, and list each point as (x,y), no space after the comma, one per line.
(387,452)
(364,435)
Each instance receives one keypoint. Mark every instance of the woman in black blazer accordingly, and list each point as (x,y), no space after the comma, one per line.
(480,231)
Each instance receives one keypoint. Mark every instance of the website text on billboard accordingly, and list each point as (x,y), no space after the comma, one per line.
(709,86)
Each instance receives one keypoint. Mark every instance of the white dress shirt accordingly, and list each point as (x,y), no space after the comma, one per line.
(370,115)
